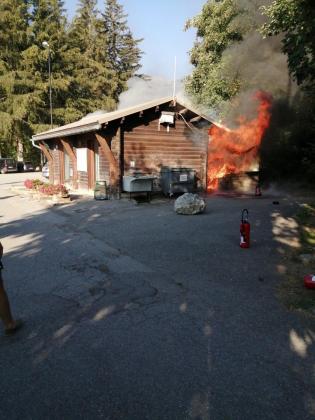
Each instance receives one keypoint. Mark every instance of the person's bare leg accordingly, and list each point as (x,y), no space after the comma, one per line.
(5,310)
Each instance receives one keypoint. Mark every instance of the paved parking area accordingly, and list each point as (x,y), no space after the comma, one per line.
(134,312)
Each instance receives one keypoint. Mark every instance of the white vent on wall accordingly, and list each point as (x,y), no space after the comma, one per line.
(167,118)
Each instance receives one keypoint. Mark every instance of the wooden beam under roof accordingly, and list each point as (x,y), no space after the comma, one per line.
(46,151)
(195,119)
(113,164)
(50,160)
(69,150)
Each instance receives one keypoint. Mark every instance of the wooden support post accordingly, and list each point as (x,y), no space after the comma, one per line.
(113,164)
(50,160)
(69,150)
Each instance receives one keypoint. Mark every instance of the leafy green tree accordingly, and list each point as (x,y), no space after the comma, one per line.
(122,49)
(296,20)
(218,27)
(287,151)
(290,149)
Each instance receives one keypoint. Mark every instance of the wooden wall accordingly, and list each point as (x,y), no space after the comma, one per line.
(55,177)
(151,147)
(140,139)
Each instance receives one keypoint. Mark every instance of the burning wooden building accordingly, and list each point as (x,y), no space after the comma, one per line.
(153,139)
(145,139)
(233,161)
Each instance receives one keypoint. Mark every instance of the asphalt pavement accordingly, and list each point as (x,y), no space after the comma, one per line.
(134,312)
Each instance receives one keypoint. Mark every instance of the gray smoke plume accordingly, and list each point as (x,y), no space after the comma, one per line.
(148,88)
(258,62)
(144,89)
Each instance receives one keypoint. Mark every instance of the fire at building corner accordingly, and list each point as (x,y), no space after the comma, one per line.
(236,151)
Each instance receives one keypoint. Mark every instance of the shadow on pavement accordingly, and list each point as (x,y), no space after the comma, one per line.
(135,312)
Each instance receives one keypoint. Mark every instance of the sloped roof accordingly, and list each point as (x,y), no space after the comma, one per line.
(95,122)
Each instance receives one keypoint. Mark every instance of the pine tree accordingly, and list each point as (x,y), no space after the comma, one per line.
(90,65)
(93,81)
(48,24)
(83,29)
(122,48)
(14,90)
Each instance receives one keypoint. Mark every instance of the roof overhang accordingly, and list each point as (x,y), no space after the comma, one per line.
(96,122)
(70,131)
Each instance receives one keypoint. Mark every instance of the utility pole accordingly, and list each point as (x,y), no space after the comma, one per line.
(46,45)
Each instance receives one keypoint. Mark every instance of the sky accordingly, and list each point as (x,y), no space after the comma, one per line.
(161,24)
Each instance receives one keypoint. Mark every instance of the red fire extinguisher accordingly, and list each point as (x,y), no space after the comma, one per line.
(245,230)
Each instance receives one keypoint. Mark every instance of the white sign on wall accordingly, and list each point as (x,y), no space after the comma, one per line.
(82,159)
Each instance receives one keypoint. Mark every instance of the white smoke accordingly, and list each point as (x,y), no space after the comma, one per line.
(148,88)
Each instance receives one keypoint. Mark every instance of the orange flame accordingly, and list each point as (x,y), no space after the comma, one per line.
(233,151)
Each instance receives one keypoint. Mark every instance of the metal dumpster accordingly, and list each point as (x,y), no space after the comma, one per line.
(138,184)
(177,180)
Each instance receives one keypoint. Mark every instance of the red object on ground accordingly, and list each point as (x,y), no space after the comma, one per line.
(257,191)
(309,281)
(245,230)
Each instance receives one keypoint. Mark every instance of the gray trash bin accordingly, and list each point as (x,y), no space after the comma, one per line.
(177,180)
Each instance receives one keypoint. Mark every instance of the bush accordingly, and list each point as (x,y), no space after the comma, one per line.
(33,184)
(49,189)
(44,188)
(28,183)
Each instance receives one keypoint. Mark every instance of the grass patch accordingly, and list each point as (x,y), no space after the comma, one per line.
(306,220)
(292,291)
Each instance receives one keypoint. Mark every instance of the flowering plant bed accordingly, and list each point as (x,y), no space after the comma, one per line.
(45,189)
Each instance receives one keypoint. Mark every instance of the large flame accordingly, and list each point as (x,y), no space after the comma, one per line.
(234,151)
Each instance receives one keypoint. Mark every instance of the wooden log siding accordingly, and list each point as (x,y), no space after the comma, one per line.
(62,165)
(104,167)
(151,149)
(73,158)
(56,167)
(91,165)
(83,180)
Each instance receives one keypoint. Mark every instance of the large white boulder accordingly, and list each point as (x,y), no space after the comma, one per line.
(189,203)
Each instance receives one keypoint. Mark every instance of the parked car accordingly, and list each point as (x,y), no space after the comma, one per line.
(28,166)
(19,166)
(7,165)
(45,170)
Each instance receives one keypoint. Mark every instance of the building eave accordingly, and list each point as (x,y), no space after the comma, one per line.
(65,132)
(96,122)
